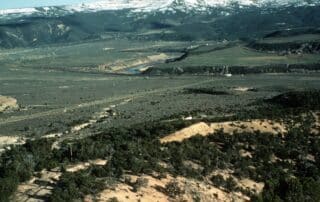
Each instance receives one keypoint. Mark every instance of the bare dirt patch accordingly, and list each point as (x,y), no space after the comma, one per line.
(231,127)
(42,184)
(6,141)
(243,89)
(85,165)
(125,64)
(8,103)
(36,189)
(244,183)
(155,190)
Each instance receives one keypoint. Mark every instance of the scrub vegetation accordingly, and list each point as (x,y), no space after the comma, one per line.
(288,164)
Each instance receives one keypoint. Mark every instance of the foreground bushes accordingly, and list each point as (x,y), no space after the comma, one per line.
(137,150)
(291,189)
(140,152)
(20,162)
(76,186)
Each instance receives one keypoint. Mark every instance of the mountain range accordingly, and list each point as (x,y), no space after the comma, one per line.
(154,20)
(155,5)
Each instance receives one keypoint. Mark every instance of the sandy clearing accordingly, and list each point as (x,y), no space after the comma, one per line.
(256,187)
(36,189)
(244,183)
(151,192)
(84,165)
(10,140)
(33,191)
(124,192)
(231,127)
(7,103)
(52,135)
(244,153)
(125,64)
(79,127)
(242,89)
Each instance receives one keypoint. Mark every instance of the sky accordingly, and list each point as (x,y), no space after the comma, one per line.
(6,4)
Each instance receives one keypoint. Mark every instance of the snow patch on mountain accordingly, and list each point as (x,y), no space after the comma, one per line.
(151,6)
(17,11)
(154,5)
(121,4)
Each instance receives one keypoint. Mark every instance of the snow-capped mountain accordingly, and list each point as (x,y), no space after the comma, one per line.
(185,20)
(152,5)
(162,5)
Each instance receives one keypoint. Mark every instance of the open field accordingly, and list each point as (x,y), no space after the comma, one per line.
(239,56)
(55,101)
(88,56)
(292,39)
